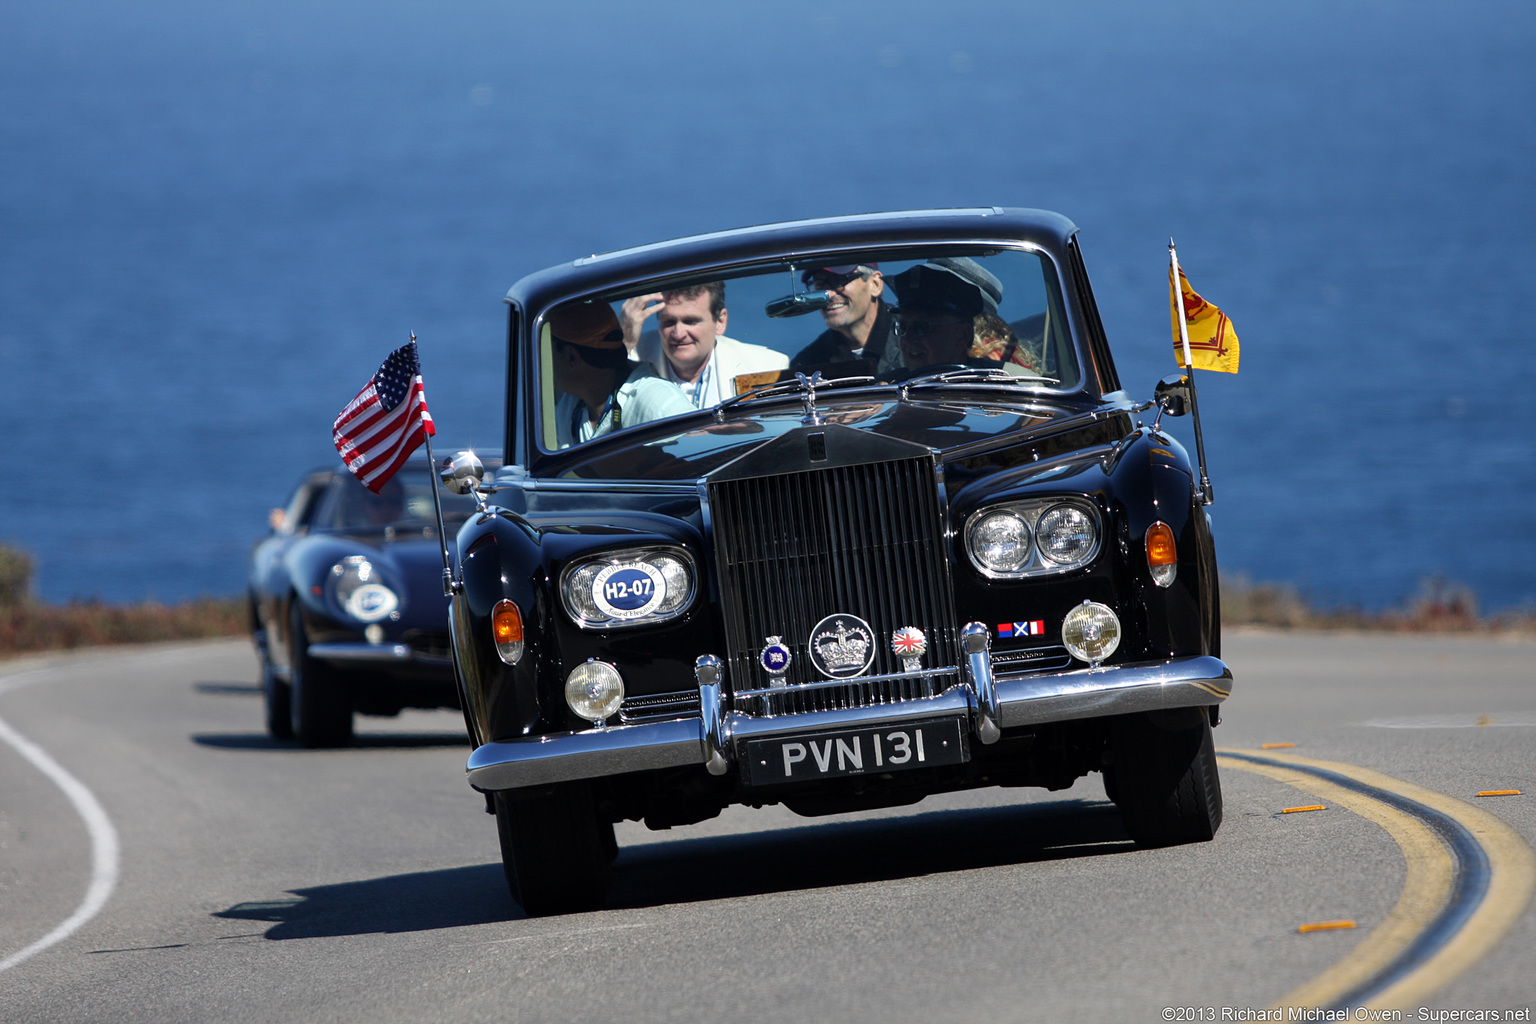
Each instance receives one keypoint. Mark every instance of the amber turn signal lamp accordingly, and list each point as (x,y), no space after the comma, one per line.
(1162,554)
(507,631)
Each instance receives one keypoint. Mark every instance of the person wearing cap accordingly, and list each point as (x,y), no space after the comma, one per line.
(600,388)
(858,320)
(938,303)
(690,347)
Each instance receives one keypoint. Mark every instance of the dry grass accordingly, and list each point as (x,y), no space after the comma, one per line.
(1440,607)
(31,627)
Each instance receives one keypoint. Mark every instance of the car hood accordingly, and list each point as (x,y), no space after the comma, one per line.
(957,423)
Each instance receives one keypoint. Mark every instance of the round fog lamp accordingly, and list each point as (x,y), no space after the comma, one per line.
(1091,632)
(594,690)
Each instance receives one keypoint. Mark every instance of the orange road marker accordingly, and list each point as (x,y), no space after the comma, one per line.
(1500,792)
(1325,926)
(1275,746)
(1297,810)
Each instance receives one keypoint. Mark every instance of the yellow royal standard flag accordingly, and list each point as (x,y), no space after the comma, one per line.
(1212,341)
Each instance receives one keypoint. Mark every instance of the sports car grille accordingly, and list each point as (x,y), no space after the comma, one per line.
(427,641)
(863,540)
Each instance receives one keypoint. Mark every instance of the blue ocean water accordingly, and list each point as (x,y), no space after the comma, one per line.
(215,220)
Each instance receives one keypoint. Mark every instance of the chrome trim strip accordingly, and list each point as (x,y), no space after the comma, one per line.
(363,652)
(1022,699)
(833,684)
(977,640)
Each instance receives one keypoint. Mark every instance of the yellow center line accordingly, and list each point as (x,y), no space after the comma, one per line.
(1430,874)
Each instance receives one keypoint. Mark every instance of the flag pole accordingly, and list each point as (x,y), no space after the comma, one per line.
(437,501)
(1176,286)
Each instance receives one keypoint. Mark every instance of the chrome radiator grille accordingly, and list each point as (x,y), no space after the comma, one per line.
(864,540)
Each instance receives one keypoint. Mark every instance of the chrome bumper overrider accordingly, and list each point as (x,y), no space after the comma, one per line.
(988,702)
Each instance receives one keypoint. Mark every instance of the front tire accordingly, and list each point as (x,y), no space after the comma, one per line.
(556,849)
(320,706)
(277,701)
(1165,780)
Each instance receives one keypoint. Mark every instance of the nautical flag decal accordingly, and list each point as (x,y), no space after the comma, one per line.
(1035,627)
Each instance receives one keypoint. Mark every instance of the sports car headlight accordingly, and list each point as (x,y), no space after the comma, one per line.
(636,587)
(1035,537)
(360,591)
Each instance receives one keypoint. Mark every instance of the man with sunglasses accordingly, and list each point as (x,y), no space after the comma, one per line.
(858,321)
(600,388)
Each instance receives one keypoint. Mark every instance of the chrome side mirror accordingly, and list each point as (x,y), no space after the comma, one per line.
(462,473)
(1172,395)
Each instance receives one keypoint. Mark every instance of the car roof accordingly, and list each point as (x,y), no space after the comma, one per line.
(808,237)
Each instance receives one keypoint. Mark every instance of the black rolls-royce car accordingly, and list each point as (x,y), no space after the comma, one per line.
(870,517)
(346,604)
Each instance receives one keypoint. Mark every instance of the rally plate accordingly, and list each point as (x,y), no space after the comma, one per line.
(873,751)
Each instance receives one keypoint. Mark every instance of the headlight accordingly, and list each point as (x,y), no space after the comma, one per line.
(358,589)
(594,690)
(1091,632)
(1066,535)
(1000,541)
(638,587)
(1034,537)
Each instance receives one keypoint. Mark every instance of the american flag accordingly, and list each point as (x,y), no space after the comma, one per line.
(388,419)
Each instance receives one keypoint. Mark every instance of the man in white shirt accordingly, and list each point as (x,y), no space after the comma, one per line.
(690,347)
(600,389)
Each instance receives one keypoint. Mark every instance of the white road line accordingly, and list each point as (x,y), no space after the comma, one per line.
(104,846)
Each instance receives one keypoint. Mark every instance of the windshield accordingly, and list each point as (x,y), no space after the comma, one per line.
(404,504)
(622,360)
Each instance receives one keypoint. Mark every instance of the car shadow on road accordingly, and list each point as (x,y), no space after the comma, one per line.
(819,854)
(366,741)
(881,849)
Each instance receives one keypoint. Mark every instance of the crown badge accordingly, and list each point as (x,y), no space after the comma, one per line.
(842,645)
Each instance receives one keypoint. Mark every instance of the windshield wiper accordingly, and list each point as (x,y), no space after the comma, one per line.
(977,374)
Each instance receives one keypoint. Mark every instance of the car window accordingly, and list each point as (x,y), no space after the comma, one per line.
(949,307)
(404,503)
(301,507)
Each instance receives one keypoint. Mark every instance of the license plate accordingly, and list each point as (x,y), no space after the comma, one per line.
(830,755)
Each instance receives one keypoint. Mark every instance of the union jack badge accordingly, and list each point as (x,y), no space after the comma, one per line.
(909,644)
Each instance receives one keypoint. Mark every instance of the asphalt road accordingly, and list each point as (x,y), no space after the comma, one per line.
(161,860)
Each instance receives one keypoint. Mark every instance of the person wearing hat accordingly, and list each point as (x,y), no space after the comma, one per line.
(689,346)
(858,320)
(938,303)
(600,389)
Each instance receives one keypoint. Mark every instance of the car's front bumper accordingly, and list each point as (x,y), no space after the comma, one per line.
(989,703)
(351,653)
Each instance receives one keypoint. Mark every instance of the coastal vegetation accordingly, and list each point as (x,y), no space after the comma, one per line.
(28,625)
